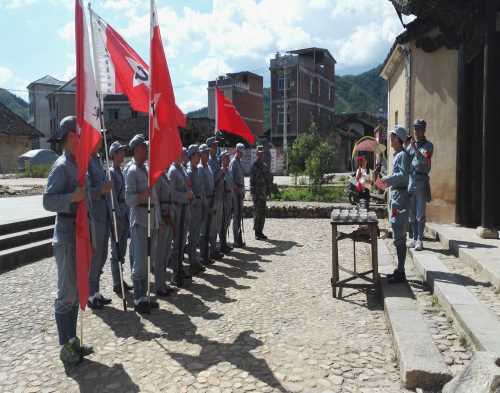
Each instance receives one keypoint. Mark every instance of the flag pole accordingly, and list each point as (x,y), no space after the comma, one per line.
(104,133)
(151,109)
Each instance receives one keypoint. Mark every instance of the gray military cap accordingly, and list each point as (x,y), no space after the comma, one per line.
(204,148)
(115,147)
(240,147)
(224,153)
(68,124)
(400,132)
(212,141)
(192,150)
(420,124)
(137,140)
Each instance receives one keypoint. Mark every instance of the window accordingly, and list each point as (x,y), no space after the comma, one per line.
(281,114)
(311,86)
(281,83)
(330,93)
(396,120)
(134,115)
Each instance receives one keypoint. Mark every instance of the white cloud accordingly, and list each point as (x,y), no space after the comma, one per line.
(209,68)
(6,75)
(11,4)
(67,32)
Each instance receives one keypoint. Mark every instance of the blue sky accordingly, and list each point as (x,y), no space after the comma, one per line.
(202,38)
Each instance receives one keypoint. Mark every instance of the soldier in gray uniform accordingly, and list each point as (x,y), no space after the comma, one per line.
(196,182)
(61,196)
(165,235)
(238,195)
(227,211)
(119,248)
(215,166)
(100,226)
(208,247)
(399,199)
(136,197)
(420,152)
(181,197)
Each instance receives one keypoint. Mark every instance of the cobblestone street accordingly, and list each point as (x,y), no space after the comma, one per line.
(261,320)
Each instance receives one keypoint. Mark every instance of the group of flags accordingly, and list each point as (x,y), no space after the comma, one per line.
(118,69)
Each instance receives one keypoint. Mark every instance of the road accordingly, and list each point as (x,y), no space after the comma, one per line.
(21,208)
(261,320)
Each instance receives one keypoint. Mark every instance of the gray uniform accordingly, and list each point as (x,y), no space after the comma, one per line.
(136,183)
(100,222)
(419,186)
(165,232)
(227,210)
(130,246)
(214,164)
(178,181)
(238,196)
(196,214)
(118,250)
(61,183)
(208,222)
(399,203)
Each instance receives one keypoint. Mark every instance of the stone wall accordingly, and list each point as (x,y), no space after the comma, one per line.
(12,147)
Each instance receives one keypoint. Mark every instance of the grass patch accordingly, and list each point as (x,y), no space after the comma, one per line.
(305,194)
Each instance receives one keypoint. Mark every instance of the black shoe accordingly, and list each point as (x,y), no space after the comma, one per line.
(239,245)
(127,286)
(104,300)
(197,269)
(217,255)
(164,292)
(153,304)
(260,236)
(226,249)
(396,271)
(263,236)
(397,278)
(208,262)
(95,304)
(143,308)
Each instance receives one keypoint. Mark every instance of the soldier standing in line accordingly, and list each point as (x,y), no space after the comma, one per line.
(165,235)
(61,196)
(420,152)
(119,248)
(197,202)
(399,200)
(136,197)
(227,210)
(260,188)
(100,226)
(208,248)
(181,197)
(238,176)
(214,163)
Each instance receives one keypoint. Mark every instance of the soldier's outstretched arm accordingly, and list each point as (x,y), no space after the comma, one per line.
(55,199)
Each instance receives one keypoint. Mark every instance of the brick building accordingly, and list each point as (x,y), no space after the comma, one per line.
(245,90)
(307,78)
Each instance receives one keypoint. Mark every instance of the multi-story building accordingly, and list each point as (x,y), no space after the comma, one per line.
(245,90)
(304,81)
(62,103)
(39,116)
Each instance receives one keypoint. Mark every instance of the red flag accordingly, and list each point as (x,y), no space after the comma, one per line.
(164,139)
(119,69)
(229,119)
(87,113)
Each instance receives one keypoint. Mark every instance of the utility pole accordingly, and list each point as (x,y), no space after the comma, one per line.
(285,122)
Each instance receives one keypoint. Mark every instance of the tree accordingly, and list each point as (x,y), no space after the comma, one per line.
(302,149)
(319,163)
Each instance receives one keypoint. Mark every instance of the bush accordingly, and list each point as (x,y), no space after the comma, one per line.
(305,194)
(41,171)
(319,163)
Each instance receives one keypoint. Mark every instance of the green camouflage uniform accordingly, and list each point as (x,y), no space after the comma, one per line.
(260,187)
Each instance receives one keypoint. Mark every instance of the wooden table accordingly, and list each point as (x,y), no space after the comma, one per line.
(367,231)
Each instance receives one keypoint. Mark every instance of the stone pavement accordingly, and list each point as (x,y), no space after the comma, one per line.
(261,320)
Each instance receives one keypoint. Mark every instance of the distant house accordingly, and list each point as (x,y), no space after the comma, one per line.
(16,137)
(39,113)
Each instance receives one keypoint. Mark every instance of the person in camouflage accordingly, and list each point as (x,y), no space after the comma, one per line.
(260,188)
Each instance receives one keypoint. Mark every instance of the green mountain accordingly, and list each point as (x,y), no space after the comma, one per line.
(202,112)
(366,92)
(14,103)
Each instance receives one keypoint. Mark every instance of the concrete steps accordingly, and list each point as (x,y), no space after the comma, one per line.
(481,254)
(24,242)
(420,362)
(474,318)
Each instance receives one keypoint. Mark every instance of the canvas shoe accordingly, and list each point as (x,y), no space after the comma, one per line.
(410,243)
(419,246)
